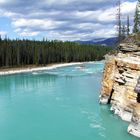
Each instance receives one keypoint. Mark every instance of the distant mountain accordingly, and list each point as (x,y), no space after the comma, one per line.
(101,41)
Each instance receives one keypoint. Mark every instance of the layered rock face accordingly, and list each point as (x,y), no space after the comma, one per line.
(121,85)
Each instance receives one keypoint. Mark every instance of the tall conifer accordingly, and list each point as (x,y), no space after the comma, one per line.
(137,18)
(128,26)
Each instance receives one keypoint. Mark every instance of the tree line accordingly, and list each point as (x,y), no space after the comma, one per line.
(31,52)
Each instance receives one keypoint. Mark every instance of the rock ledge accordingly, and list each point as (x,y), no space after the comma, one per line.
(121,85)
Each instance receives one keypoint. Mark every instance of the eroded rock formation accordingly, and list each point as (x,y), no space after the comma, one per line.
(121,85)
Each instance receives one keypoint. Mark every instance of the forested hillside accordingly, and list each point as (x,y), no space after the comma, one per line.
(31,52)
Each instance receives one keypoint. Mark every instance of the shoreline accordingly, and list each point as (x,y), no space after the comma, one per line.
(10,71)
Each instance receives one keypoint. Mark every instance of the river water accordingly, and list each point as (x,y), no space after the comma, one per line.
(58,104)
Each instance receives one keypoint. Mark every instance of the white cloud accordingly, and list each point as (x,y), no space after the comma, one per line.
(45,24)
(87,15)
(107,15)
(3,33)
(50,2)
(128,7)
(103,31)
(28,33)
(4,1)
(106,33)
(58,22)
(63,2)
(88,26)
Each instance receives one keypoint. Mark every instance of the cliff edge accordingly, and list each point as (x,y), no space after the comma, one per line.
(121,83)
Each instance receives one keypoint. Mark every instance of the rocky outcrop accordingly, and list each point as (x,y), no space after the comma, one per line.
(121,85)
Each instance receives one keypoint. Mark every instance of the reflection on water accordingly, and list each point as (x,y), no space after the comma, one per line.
(58,104)
(25,81)
(45,78)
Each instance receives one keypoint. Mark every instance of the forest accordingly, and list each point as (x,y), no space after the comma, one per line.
(14,53)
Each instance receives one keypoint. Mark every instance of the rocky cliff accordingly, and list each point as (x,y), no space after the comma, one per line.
(121,84)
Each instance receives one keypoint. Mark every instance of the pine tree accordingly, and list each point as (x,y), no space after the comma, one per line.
(27,52)
(137,18)
(123,32)
(128,26)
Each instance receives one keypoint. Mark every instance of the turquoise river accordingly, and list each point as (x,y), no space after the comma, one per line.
(58,104)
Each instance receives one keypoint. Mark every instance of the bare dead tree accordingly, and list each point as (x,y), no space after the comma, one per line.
(119,24)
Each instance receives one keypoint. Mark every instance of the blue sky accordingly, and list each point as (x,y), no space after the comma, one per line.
(62,19)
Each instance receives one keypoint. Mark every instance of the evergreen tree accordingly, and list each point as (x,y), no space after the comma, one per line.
(27,52)
(123,32)
(137,18)
(128,26)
